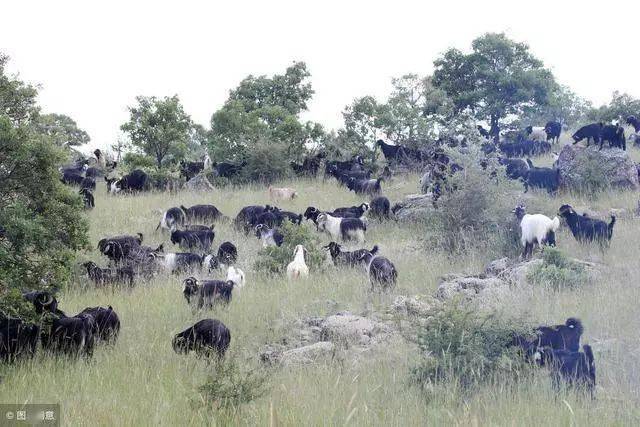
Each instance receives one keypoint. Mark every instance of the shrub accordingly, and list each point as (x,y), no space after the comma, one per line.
(274,260)
(133,161)
(266,162)
(473,211)
(558,271)
(230,386)
(462,345)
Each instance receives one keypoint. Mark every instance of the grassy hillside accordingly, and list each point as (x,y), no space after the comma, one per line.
(141,381)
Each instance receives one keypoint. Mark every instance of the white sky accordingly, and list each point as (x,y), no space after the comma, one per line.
(93,59)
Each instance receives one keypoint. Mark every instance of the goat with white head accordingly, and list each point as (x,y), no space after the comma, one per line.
(342,228)
(537,229)
(236,275)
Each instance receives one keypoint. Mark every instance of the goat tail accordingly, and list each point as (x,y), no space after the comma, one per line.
(374,250)
(610,226)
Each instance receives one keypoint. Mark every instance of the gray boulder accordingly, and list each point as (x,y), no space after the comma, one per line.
(199,183)
(580,165)
(348,329)
(415,207)
(323,350)
(486,290)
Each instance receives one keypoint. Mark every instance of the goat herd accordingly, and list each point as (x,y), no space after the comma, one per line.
(555,346)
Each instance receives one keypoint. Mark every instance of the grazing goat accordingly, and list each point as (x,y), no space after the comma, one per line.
(589,132)
(544,178)
(87,198)
(72,336)
(381,271)
(574,368)
(371,187)
(276,193)
(180,262)
(171,219)
(103,276)
(199,239)
(351,212)
(18,339)
(380,208)
(514,168)
(342,228)
(227,255)
(536,133)
(346,258)
(190,169)
(118,248)
(236,275)
(107,323)
(42,301)
(586,229)
(202,213)
(207,292)
(269,236)
(553,131)
(536,229)
(135,181)
(207,337)
(297,268)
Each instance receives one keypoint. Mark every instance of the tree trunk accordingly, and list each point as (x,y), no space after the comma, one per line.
(495,129)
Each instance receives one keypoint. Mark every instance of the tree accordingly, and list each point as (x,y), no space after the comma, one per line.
(17,98)
(41,224)
(62,130)
(159,128)
(264,110)
(498,78)
(621,106)
(360,125)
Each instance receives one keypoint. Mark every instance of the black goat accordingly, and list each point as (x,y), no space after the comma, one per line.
(87,198)
(206,337)
(187,239)
(72,336)
(545,178)
(614,135)
(633,121)
(346,258)
(107,323)
(117,248)
(202,213)
(574,368)
(553,131)
(381,271)
(104,276)
(42,301)
(380,208)
(18,339)
(586,229)
(371,187)
(557,337)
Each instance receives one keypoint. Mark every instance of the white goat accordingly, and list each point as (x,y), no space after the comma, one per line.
(538,134)
(207,163)
(283,193)
(298,268)
(236,276)
(536,229)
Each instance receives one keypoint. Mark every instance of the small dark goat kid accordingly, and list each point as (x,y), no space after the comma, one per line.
(206,292)
(586,229)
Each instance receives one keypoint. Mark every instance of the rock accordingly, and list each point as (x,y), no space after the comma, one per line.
(498,266)
(517,274)
(348,329)
(308,354)
(199,183)
(415,207)
(579,165)
(488,291)
(419,305)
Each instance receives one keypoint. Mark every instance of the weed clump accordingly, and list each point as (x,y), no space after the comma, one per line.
(558,271)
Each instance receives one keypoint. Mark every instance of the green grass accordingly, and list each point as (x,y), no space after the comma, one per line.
(141,381)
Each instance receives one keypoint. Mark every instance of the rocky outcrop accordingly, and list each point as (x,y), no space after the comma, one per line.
(199,183)
(580,166)
(415,207)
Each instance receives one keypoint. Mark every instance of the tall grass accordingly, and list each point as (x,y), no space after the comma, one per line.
(141,381)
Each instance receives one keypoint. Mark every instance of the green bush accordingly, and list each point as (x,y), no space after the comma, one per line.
(460,344)
(266,162)
(558,271)
(274,260)
(231,386)
(472,212)
(164,179)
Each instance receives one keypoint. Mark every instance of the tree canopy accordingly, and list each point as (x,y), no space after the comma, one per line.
(499,77)
(159,127)
(265,109)
(62,130)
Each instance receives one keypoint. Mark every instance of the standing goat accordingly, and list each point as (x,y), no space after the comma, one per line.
(537,229)
(586,229)
(298,268)
(342,228)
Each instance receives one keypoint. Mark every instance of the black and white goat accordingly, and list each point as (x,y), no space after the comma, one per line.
(342,228)
(227,255)
(346,258)
(586,229)
(269,236)
(381,271)
(536,229)
(180,262)
(205,293)
(172,219)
